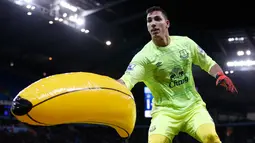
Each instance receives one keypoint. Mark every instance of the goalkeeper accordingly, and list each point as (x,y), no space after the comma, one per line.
(165,66)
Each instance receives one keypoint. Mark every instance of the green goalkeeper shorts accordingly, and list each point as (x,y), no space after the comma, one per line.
(168,124)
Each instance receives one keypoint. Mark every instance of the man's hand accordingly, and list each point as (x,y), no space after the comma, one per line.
(226,82)
(121,81)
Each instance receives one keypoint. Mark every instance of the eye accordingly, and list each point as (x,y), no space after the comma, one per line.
(149,19)
(157,18)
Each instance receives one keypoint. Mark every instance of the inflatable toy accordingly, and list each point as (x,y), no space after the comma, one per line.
(77,97)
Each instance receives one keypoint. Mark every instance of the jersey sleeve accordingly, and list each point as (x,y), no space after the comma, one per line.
(199,57)
(135,71)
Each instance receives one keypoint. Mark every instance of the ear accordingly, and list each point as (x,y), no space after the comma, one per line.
(168,23)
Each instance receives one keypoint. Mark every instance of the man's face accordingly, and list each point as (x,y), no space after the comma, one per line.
(157,24)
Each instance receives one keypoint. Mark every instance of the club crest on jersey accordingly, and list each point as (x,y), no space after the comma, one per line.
(131,66)
(183,54)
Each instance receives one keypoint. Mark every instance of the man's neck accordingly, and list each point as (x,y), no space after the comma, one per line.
(162,41)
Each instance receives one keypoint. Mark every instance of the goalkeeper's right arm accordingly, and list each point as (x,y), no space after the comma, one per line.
(121,81)
(133,75)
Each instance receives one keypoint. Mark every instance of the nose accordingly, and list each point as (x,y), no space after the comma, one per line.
(21,106)
(153,25)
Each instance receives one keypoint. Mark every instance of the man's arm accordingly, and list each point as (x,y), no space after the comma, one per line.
(215,69)
(121,81)
(201,59)
(135,72)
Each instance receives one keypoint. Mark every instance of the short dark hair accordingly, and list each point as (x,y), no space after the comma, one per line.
(156,8)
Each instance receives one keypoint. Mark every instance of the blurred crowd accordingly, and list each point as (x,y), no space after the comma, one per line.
(19,133)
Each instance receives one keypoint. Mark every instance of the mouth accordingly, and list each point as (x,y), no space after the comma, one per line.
(155,31)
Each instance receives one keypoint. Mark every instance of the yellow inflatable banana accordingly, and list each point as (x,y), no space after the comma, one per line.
(77,97)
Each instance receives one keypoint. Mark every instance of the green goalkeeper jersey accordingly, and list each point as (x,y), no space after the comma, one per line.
(167,72)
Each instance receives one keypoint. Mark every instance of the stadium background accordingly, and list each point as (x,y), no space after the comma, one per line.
(35,43)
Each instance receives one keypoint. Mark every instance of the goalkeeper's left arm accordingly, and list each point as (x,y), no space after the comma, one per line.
(201,59)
